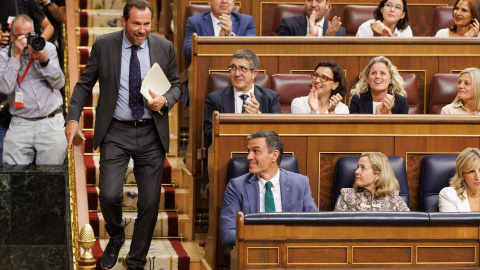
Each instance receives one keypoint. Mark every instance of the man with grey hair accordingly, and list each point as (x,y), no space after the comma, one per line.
(265,188)
(240,97)
(31,78)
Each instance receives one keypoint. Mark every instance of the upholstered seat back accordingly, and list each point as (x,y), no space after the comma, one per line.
(238,166)
(285,11)
(354,15)
(443,91)
(345,175)
(290,86)
(442,18)
(220,80)
(436,173)
(413,96)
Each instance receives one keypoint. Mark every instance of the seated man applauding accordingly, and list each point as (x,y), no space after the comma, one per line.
(266,188)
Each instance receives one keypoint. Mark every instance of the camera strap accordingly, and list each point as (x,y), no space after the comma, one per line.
(24,73)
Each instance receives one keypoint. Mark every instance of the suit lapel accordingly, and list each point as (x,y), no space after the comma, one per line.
(325,26)
(234,23)
(303,25)
(117,59)
(208,25)
(285,190)
(253,194)
(260,98)
(228,100)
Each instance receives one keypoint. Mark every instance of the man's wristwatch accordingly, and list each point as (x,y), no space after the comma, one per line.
(232,34)
(45,63)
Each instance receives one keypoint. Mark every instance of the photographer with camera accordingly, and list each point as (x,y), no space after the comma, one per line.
(30,76)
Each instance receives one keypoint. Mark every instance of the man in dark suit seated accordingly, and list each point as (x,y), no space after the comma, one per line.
(221,21)
(240,97)
(313,23)
(266,188)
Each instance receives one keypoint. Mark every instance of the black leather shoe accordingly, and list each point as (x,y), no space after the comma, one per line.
(110,254)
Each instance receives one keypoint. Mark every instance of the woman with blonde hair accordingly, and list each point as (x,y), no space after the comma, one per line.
(467,100)
(463,194)
(375,189)
(380,89)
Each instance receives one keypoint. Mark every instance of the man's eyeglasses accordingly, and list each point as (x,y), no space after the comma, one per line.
(396,7)
(323,78)
(241,69)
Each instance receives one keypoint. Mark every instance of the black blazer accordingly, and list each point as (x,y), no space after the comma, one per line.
(297,26)
(104,65)
(223,101)
(363,104)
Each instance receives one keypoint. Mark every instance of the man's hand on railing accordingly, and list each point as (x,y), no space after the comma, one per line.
(73,130)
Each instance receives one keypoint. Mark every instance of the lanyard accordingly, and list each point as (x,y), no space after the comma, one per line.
(24,73)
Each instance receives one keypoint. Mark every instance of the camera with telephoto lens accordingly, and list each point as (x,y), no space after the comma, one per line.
(35,41)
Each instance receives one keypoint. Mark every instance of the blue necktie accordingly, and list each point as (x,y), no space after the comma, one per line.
(135,100)
(269,202)
(244,97)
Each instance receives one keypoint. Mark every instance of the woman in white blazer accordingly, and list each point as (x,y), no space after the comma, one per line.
(463,194)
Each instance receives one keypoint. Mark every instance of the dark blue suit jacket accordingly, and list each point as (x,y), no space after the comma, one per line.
(297,26)
(223,101)
(363,104)
(202,24)
(243,194)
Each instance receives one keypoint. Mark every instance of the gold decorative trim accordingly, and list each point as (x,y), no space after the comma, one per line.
(241,153)
(475,254)
(341,55)
(278,255)
(263,71)
(72,188)
(337,247)
(363,135)
(411,248)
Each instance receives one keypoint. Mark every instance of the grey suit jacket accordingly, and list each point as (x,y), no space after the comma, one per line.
(104,65)
(242,194)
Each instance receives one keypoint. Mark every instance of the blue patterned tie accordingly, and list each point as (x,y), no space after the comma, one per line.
(244,98)
(269,202)
(135,100)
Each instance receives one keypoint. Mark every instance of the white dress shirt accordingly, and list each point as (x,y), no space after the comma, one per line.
(239,100)
(320,27)
(277,194)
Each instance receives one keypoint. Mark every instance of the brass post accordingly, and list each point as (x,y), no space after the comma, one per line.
(86,241)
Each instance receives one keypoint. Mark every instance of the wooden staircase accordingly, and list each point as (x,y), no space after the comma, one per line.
(172,246)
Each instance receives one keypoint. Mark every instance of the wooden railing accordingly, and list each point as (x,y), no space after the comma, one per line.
(78,188)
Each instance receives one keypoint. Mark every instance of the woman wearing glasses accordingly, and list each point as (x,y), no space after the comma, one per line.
(380,89)
(328,89)
(466,19)
(391,20)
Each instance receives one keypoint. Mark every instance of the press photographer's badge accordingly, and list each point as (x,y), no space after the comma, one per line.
(18,100)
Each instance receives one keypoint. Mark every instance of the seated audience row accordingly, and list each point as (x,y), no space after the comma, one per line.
(390,19)
(268,188)
(380,90)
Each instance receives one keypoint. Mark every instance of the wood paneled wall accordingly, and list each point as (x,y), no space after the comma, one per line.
(318,141)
